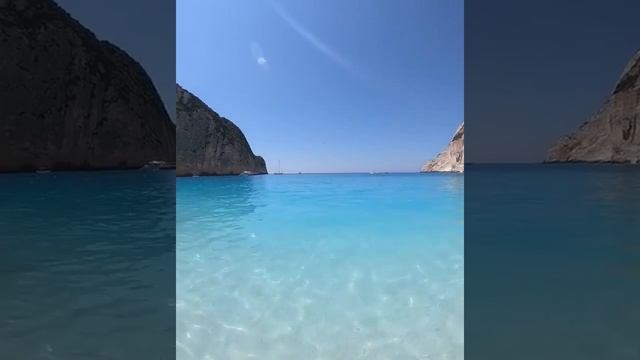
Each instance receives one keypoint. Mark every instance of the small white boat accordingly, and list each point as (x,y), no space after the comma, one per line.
(154,165)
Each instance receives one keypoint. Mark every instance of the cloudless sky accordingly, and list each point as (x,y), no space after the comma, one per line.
(329,86)
(145,29)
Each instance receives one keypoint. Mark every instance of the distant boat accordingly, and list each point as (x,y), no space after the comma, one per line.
(279,170)
(43,171)
(246,173)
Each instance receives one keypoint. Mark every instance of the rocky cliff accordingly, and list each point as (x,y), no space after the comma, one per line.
(71,101)
(613,133)
(452,158)
(208,144)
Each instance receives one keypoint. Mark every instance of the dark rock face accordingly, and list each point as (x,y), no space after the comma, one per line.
(452,158)
(71,101)
(208,144)
(612,134)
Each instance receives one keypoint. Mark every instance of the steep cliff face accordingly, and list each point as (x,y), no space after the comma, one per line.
(71,101)
(612,134)
(208,144)
(452,158)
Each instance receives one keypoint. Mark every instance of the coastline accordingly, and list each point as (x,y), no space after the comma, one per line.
(331,173)
(80,170)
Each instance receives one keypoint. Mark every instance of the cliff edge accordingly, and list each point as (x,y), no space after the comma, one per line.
(452,158)
(69,101)
(208,144)
(612,134)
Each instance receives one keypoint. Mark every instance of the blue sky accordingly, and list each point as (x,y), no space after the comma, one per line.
(329,86)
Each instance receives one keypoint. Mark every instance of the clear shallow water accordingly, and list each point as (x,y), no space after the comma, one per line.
(87,266)
(552,258)
(320,267)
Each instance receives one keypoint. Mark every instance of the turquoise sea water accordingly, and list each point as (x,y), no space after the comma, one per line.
(87,266)
(352,266)
(552,260)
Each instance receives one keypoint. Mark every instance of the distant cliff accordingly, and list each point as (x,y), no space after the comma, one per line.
(452,158)
(71,101)
(613,133)
(208,144)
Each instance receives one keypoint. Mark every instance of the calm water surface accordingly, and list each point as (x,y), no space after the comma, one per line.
(320,267)
(87,265)
(552,261)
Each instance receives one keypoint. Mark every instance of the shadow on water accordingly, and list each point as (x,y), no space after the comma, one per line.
(87,265)
(551,260)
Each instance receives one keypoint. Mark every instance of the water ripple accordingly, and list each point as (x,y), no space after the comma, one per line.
(320,267)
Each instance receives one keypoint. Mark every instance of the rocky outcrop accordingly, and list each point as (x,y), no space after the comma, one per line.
(208,144)
(452,158)
(612,134)
(71,101)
